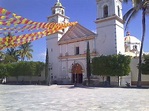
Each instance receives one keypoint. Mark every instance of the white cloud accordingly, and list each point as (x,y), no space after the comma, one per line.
(40,57)
(94,31)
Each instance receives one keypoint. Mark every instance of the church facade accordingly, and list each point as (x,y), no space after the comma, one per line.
(67,48)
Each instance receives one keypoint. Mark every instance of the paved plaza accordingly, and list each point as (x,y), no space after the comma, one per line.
(69,98)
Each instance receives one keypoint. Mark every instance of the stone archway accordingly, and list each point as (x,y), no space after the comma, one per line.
(77,74)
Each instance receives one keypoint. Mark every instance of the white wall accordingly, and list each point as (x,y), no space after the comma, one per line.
(54,52)
(106,38)
(119,37)
(66,64)
(70,48)
(133,76)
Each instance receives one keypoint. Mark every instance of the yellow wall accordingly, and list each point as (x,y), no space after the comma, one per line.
(134,72)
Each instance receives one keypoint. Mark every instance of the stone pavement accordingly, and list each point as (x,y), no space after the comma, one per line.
(69,98)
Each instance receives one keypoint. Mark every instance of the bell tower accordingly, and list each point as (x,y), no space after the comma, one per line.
(110,29)
(58,14)
(58,8)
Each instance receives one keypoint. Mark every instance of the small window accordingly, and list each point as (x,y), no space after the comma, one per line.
(53,12)
(62,12)
(118,9)
(105,11)
(77,50)
(135,47)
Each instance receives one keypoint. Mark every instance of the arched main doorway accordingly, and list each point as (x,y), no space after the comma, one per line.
(77,75)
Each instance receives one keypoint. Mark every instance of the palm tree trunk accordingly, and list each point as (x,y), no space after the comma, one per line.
(141,48)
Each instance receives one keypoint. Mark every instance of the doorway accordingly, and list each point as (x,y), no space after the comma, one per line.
(77,75)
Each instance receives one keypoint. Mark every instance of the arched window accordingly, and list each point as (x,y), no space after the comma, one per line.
(53,11)
(105,11)
(62,12)
(118,9)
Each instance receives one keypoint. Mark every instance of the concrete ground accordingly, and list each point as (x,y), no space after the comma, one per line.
(69,98)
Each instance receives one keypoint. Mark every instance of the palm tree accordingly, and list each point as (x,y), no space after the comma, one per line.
(143,6)
(25,51)
(12,54)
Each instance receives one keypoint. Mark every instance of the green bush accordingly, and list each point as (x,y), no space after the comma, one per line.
(112,65)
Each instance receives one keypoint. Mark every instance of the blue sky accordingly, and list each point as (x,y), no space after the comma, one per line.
(83,11)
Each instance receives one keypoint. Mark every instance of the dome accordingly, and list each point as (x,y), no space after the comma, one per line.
(132,39)
(132,45)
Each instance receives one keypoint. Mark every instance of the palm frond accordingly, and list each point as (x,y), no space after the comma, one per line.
(26,51)
(126,1)
(131,14)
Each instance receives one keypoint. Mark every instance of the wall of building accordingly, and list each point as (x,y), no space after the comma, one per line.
(54,53)
(119,32)
(70,48)
(27,79)
(106,39)
(66,68)
(133,75)
(67,61)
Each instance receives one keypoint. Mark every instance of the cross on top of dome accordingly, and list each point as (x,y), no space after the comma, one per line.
(128,33)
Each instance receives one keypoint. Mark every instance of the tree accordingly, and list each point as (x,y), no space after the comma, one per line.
(145,65)
(9,59)
(24,69)
(47,76)
(112,65)
(143,6)
(12,55)
(88,67)
(3,71)
(39,68)
(31,66)
(18,70)
(2,56)
(25,51)
(6,70)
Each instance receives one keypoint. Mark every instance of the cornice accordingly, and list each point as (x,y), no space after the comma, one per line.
(76,40)
(57,14)
(76,56)
(99,20)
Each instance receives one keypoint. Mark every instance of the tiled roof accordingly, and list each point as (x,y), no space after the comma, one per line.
(77,32)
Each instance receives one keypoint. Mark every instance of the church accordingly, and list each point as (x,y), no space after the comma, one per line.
(67,47)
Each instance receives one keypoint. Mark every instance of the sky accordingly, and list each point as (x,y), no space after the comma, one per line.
(82,11)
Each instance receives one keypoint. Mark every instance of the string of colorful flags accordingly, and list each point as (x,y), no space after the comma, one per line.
(11,22)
